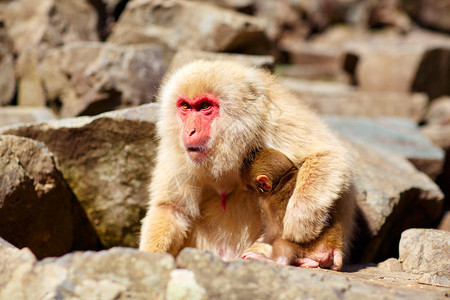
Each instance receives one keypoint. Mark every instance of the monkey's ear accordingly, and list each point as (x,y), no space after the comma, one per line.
(264,182)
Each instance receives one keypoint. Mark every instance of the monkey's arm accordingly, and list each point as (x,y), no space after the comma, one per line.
(173,206)
(163,229)
(321,180)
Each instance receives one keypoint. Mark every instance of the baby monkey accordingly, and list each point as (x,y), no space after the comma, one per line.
(272,175)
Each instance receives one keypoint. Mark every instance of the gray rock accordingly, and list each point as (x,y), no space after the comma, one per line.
(118,273)
(37,208)
(50,24)
(15,114)
(5,244)
(437,122)
(436,278)
(122,273)
(431,13)
(421,64)
(439,134)
(400,136)
(391,264)
(331,98)
(34,29)
(258,280)
(183,285)
(186,56)
(314,58)
(187,25)
(439,111)
(14,264)
(444,224)
(106,160)
(91,78)
(235,4)
(7,76)
(425,251)
(392,196)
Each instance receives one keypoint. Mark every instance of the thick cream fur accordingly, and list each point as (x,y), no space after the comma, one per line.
(255,112)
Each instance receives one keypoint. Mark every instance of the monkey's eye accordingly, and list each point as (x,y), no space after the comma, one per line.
(185,106)
(205,105)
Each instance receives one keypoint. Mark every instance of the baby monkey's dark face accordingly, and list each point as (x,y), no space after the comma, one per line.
(262,170)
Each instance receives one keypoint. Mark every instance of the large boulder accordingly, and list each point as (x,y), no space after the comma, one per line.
(186,56)
(49,24)
(106,161)
(427,252)
(188,25)
(37,208)
(115,274)
(419,62)
(35,28)
(401,136)
(91,78)
(122,273)
(18,114)
(430,13)
(7,76)
(392,196)
(331,98)
(437,122)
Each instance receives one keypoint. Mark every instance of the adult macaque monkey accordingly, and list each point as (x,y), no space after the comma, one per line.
(213,114)
(273,176)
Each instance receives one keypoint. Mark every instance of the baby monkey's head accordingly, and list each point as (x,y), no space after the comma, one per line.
(262,170)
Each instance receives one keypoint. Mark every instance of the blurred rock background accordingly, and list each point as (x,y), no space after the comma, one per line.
(78,81)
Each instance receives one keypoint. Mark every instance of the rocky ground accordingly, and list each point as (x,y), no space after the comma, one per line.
(77,138)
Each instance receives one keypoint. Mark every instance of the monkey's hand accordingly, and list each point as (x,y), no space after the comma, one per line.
(163,230)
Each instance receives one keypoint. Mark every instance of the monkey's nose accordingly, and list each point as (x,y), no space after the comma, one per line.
(192,131)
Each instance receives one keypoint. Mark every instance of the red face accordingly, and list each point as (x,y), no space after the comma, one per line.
(196,116)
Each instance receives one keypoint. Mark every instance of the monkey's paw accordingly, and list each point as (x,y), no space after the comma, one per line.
(257,256)
(322,257)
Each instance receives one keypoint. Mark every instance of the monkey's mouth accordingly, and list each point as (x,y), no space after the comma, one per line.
(197,153)
(197,149)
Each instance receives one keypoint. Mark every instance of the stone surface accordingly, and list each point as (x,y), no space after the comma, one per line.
(118,273)
(188,25)
(444,224)
(431,13)
(258,280)
(439,111)
(439,134)
(425,251)
(437,122)
(91,78)
(392,196)
(35,28)
(401,136)
(51,23)
(106,160)
(37,208)
(122,273)
(7,76)
(331,98)
(5,244)
(418,63)
(16,114)
(185,56)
